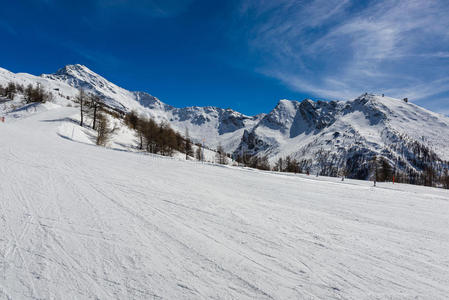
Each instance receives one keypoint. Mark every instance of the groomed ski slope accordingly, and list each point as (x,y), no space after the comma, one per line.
(84,222)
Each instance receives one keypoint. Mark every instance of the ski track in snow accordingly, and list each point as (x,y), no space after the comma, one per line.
(84,222)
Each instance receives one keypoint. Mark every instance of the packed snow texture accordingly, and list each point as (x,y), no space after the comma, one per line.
(84,222)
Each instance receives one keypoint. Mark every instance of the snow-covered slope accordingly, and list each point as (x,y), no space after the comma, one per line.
(58,89)
(85,222)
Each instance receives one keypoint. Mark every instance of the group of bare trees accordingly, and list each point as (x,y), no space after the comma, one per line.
(92,106)
(37,94)
(378,168)
(220,155)
(259,162)
(253,161)
(287,165)
(381,169)
(327,164)
(30,93)
(157,138)
(199,153)
(9,91)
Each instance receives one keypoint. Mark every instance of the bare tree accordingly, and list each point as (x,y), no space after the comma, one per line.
(11,90)
(343,171)
(104,130)
(95,104)
(445,179)
(374,166)
(385,172)
(279,165)
(220,155)
(188,145)
(199,153)
(429,175)
(81,99)
(132,120)
(262,163)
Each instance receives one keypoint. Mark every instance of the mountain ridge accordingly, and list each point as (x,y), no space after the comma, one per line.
(367,126)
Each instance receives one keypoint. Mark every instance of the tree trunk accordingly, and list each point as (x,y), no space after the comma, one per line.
(81,109)
(95,117)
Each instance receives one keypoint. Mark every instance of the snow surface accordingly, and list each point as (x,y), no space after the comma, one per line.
(84,222)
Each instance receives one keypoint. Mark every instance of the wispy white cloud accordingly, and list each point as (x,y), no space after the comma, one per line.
(340,49)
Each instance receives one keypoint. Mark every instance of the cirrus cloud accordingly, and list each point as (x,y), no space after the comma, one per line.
(340,49)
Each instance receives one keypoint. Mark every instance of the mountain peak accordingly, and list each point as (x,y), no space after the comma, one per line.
(74,70)
(68,68)
(286,105)
(286,102)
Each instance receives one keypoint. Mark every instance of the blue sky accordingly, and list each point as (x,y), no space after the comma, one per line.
(242,54)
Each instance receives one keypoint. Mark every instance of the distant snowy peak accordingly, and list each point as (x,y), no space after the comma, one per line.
(293,117)
(75,70)
(151,102)
(354,131)
(224,120)
(307,116)
(80,76)
(282,115)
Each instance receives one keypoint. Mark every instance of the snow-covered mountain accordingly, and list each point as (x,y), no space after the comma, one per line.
(350,133)
(341,133)
(212,125)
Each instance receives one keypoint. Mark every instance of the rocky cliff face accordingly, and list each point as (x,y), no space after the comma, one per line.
(349,134)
